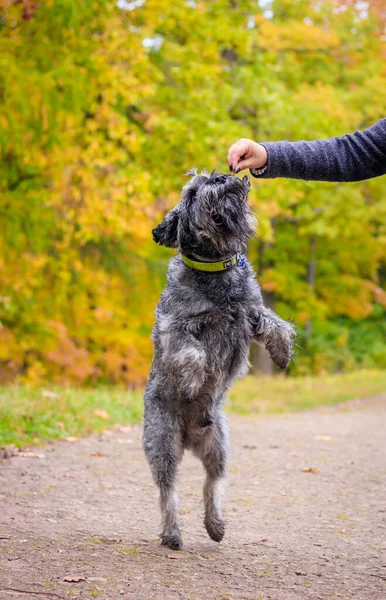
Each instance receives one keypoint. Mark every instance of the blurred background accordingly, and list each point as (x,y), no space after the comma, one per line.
(104,105)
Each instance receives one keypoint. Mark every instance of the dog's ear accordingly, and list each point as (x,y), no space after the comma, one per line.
(166,232)
(246,182)
(192,172)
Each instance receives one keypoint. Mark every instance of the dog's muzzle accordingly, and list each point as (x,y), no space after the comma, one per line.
(216,180)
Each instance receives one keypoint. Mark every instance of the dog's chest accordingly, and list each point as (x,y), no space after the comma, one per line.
(203,330)
(221,326)
(224,334)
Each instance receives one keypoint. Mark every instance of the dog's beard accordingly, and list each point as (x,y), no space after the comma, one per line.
(222,218)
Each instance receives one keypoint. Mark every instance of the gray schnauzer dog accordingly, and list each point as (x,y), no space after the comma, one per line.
(210,311)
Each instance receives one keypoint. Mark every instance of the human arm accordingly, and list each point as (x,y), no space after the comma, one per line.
(351,157)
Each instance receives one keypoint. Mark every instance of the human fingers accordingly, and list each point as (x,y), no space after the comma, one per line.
(238,151)
(249,163)
(255,157)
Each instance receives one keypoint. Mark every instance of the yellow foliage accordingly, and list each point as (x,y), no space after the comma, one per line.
(103,112)
(351,297)
(294,35)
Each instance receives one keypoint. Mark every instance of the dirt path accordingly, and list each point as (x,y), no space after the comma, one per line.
(88,509)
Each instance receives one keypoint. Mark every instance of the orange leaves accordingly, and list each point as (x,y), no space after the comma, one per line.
(272,281)
(129,363)
(351,296)
(68,360)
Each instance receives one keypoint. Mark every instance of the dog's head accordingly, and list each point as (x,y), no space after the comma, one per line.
(213,218)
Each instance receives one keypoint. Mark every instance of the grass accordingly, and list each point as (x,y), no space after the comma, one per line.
(264,395)
(28,415)
(32,415)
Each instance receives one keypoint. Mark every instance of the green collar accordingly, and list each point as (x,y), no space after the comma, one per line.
(212,267)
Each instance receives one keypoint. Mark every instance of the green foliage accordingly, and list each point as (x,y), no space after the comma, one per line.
(102,110)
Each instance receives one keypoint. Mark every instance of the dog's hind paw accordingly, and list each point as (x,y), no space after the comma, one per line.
(215,529)
(172,541)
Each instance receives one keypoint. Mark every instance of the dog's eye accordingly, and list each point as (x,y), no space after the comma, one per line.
(217,219)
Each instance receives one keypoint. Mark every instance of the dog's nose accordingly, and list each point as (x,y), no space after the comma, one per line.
(220,179)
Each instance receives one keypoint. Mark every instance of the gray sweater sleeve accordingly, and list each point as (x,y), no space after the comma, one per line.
(361,155)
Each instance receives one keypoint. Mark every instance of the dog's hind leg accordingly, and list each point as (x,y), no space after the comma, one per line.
(212,448)
(163,449)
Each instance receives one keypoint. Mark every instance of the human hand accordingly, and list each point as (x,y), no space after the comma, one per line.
(246,154)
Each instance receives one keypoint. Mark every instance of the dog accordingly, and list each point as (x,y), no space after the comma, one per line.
(209,312)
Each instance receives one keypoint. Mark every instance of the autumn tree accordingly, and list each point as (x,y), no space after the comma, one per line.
(104,107)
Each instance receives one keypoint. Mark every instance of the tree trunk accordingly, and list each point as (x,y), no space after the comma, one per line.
(260,359)
(311,279)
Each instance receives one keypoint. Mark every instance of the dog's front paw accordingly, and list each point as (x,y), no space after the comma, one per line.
(281,361)
(280,345)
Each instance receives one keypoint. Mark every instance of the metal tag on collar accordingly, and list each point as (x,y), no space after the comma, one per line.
(241,260)
(227,264)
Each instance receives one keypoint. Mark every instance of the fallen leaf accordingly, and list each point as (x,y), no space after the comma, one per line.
(52,395)
(322,438)
(7,452)
(30,455)
(97,454)
(310,470)
(71,438)
(75,579)
(60,425)
(103,414)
